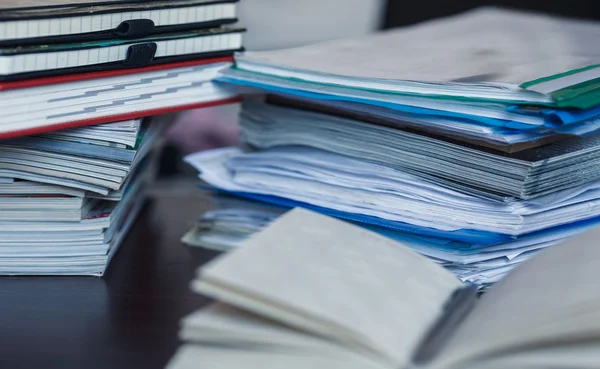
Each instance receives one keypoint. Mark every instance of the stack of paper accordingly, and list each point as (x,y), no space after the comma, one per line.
(455,136)
(527,174)
(76,79)
(63,66)
(498,138)
(235,219)
(72,200)
(231,222)
(470,65)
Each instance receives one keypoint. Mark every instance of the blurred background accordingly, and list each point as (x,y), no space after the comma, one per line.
(274,24)
(400,13)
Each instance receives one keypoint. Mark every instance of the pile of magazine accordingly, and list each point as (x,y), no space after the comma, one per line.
(69,197)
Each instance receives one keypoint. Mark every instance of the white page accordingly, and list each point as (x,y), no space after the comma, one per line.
(221,324)
(194,357)
(401,100)
(546,289)
(578,356)
(334,279)
(493,43)
(345,184)
(497,135)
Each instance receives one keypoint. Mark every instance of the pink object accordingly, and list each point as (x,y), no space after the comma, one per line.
(204,129)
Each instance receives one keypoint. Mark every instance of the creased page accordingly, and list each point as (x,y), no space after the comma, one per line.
(553,298)
(211,357)
(334,279)
(223,325)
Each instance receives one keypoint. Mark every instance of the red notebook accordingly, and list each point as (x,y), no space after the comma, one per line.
(106,74)
(47,104)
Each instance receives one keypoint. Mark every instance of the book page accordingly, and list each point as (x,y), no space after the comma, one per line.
(334,279)
(196,356)
(584,355)
(223,325)
(551,299)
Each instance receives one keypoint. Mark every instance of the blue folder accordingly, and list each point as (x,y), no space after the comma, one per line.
(552,117)
(464,239)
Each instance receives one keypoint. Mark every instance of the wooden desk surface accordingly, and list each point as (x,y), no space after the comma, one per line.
(128,319)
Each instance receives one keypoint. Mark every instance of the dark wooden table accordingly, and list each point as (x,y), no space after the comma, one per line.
(128,319)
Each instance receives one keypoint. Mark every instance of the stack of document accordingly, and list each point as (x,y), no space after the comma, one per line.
(81,88)
(477,162)
(230,223)
(526,174)
(64,65)
(69,201)
(234,219)
(478,65)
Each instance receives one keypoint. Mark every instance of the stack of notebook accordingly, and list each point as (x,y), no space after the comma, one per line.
(454,136)
(77,80)
(65,64)
(72,196)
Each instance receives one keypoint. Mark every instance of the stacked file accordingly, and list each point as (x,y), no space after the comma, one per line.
(477,162)
(230,223)
(63,66)
(81,86)
(233,220)
(72,199)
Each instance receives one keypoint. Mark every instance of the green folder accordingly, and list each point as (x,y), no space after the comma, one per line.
(582,95)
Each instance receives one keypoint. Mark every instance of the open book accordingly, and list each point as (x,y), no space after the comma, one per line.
(310,291)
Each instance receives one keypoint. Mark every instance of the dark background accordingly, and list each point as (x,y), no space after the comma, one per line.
(402,12)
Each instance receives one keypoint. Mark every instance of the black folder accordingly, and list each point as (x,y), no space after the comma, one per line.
(27,62)
(37,22)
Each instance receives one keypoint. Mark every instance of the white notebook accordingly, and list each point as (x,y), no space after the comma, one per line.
(103,100)
(37,21)
(311,291)
(24,62)
(81,257)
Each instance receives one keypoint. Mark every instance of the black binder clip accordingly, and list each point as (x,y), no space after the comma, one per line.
(140,55)
(135,28)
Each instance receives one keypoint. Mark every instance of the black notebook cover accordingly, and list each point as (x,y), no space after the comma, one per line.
(142,52)
(143,19)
